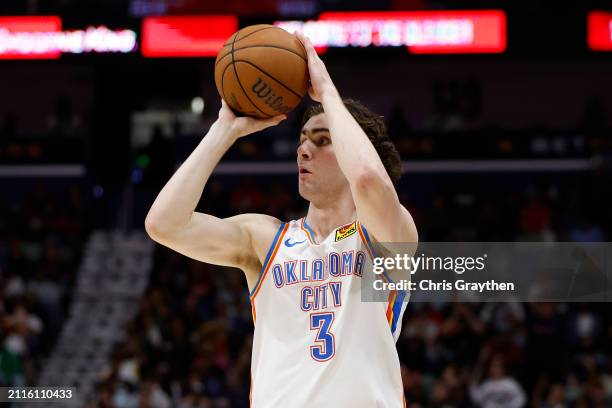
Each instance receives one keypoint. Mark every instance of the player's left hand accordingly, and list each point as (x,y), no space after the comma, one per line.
(244,125)
(320,81)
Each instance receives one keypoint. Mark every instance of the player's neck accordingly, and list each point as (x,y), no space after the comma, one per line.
(323,218)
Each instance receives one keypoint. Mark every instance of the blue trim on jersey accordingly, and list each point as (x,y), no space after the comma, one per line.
(263,267)
(397,309)
(369,241)
(312,234)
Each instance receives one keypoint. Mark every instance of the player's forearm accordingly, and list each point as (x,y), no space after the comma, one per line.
(376,201)
(356,155)
(177,201)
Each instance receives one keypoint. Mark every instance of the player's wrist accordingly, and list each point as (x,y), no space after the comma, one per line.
(226,129)
(329,94)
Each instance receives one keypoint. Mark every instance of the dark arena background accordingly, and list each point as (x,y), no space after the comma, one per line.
(501,113)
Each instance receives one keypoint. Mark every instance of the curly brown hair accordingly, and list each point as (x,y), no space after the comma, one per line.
(374,126)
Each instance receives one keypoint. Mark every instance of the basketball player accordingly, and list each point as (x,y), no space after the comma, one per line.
(316,344)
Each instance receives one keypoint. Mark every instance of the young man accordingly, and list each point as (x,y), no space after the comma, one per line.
(316,344)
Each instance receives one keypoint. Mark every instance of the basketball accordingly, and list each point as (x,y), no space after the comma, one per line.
(262,71)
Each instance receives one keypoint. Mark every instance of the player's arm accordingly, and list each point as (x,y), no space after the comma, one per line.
(377,203)
(172,220)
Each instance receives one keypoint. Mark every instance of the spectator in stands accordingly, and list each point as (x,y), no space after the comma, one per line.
(20,330)
(499,390)
(535,219)
(40,243)
(556,397)
(12,372)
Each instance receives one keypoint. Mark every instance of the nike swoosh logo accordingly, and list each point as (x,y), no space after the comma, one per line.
(290,244)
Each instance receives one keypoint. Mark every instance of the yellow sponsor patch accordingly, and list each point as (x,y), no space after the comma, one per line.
(346,231)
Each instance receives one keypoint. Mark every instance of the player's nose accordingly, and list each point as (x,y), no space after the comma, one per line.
(304,150)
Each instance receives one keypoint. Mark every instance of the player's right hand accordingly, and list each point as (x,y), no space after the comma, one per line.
(242,126)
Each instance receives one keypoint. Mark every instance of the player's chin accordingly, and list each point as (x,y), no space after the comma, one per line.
(305,189)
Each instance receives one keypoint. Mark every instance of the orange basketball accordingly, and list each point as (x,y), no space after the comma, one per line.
(262,71)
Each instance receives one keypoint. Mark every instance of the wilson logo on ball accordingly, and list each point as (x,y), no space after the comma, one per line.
(265,93)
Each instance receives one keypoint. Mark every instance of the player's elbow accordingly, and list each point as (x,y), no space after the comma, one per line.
(156,227)
(365,178)
(152,227)
(371,180)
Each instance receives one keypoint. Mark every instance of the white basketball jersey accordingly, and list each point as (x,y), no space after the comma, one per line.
(316,344)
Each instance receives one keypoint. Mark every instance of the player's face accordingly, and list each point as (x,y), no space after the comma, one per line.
(319,173)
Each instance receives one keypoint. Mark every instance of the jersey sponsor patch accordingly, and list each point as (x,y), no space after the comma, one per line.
(346,231)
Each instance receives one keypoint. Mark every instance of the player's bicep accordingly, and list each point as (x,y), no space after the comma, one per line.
(219,241)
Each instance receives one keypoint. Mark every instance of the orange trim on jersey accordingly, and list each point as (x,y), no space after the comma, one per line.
(253,313)
(391,300)
(308,234)
(369,248)
(392,294)
(266,267)
(365,241)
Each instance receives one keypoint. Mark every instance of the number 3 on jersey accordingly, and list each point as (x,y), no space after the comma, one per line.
(325,342)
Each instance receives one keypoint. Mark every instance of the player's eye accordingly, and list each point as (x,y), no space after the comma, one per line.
(323,141)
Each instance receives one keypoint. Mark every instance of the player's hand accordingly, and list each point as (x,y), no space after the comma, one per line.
(242,126)
(320,81)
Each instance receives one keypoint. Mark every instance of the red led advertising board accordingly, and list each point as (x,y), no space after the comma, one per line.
(423,32)
(43,38)
(25,37)
(599,30)
(186,36)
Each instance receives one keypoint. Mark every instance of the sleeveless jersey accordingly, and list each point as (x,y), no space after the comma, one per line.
(316,343)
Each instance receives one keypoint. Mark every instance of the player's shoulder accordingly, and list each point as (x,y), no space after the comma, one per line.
(254,220)
(260,227)
(262,230)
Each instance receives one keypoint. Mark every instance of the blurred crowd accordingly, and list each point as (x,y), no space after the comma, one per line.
(507,355)
(41,236)
(190,344)
(190,347)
